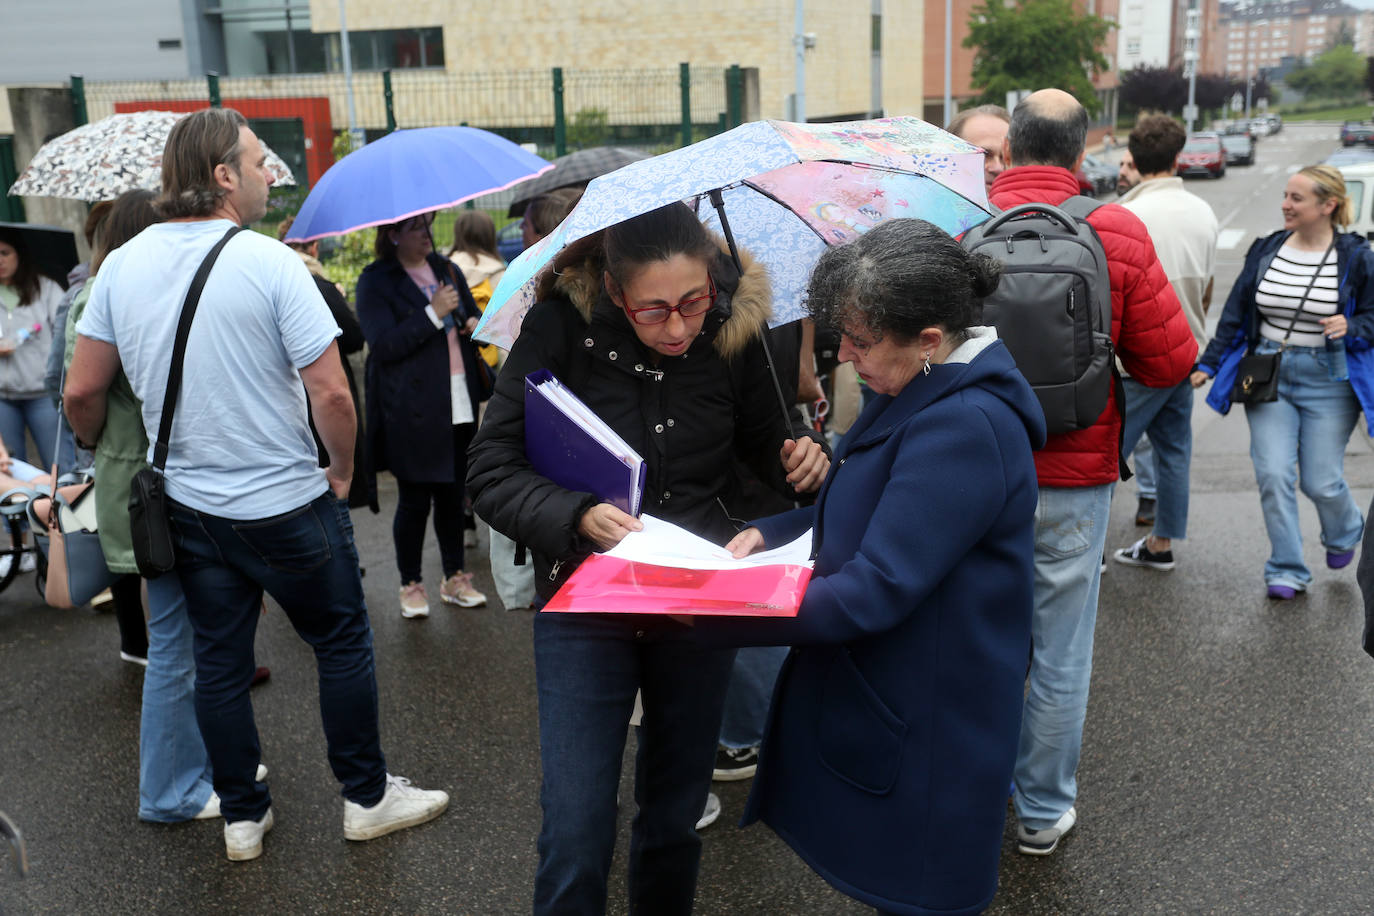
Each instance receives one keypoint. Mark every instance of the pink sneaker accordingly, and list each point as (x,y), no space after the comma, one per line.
(457,589)
(414,601)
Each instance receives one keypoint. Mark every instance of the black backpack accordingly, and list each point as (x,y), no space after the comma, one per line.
(1053,307)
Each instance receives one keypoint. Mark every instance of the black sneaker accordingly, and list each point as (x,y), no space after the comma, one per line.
(1145,512)
(1140,555)
(735,763)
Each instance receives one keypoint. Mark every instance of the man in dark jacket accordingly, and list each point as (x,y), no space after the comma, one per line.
(1077,471)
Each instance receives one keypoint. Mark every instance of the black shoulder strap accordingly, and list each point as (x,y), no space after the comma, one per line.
(1080,206)
(188,311)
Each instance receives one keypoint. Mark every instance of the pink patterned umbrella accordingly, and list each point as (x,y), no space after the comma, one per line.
(101,161)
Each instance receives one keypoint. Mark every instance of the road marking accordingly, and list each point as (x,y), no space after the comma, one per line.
(1229,238)
(1270,169)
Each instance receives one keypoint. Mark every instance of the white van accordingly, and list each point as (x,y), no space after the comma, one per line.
(1359,184)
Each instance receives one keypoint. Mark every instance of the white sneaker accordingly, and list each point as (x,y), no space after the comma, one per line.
(1045,841)
(211,809)
(403,805)
(243,839)
(711,812)
(27,563)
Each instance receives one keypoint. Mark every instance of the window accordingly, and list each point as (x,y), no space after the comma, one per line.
(168,44)
(876,36)
(1133,46)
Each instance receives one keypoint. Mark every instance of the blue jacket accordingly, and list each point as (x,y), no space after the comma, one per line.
(409,406)
(895,719)
(1238,330)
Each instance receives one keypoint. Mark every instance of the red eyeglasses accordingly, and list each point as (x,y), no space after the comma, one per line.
(657,314)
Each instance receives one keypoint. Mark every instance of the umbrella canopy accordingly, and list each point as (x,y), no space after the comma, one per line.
(409,172)
(788,191)
(574,170)
(102,160)
(52,249)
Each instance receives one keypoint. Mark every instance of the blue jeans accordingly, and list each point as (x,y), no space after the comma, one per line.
(751,690)
(1143,464)
(588,669)
(305,559)
(1070,530)
(1165,416)
(1299,441)
(39,416)
(174,780)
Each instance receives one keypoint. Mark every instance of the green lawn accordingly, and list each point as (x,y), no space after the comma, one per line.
(1360,112)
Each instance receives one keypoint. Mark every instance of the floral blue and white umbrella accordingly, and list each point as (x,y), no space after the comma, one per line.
(788,190)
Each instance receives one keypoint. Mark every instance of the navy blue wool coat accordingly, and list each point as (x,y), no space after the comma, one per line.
(895,719)
(409,406)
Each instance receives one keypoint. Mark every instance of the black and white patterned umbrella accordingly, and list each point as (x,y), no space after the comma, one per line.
(573,170)
(101,161)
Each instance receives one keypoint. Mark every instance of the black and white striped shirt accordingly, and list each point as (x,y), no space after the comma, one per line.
(1280,291)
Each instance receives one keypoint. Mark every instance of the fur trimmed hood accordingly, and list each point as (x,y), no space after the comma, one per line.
(744,302)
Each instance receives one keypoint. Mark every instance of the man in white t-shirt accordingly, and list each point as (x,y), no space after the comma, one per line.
(1184,230)
(251,509)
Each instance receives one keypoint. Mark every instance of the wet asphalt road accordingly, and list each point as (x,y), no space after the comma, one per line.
(1226,763)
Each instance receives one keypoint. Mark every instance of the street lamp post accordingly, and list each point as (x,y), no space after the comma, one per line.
(355,133)
(1190,36)
(949,43)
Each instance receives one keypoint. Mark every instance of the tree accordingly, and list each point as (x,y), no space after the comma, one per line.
(1036,44)
(590,127)
(1338,73)
(1153,88)
(1369,75)
(1343,35)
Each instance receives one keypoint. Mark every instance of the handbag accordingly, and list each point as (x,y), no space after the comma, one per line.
(154,551)
(75,570)
(1257,376)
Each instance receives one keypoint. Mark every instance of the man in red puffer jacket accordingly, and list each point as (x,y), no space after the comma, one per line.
(1077,471)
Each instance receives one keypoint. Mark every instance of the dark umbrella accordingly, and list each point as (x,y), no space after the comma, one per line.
(574,170)
(52,249)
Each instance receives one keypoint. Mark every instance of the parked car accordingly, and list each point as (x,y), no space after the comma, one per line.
(1100,174)
(1359,184)
(510,241)
(1275,123)
(1353,132)
(1202,155)
(1259,127)
(1350,155)
(1239,147)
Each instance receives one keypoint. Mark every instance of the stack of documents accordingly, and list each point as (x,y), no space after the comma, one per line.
(665,569)
(570,445)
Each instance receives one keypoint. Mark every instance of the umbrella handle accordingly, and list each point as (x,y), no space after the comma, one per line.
(718,201)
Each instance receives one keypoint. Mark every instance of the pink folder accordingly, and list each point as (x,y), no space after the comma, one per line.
(610,585)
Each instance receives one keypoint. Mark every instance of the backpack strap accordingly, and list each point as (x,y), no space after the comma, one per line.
(1081,207)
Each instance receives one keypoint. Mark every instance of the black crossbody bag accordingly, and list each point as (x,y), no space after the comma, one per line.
(152,533)
(1257,377)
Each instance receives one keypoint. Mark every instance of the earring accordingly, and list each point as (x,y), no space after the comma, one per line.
(925,369)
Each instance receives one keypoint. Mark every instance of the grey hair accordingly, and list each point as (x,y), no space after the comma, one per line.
(1042,134)
(197,144)
(903,276)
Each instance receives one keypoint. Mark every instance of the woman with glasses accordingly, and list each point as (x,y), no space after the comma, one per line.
(650,324)
(425,381)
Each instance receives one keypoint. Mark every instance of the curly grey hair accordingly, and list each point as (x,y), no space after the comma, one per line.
(900,278)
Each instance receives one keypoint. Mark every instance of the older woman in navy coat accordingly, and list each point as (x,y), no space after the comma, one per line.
(425,382)
(895,719)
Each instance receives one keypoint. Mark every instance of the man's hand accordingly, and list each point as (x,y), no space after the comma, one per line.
(805,463)
(338,485)
(1198,378)
(748,541)
(605,525)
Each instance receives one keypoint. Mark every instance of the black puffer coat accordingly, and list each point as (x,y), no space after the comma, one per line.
(684,415)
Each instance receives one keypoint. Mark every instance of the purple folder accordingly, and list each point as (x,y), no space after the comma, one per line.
(561,448)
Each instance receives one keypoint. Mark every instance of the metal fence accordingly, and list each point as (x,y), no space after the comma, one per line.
(555,110)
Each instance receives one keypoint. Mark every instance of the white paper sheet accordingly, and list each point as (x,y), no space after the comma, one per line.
(665,544)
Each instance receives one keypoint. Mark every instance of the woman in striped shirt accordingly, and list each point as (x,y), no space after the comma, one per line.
(1308,290)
